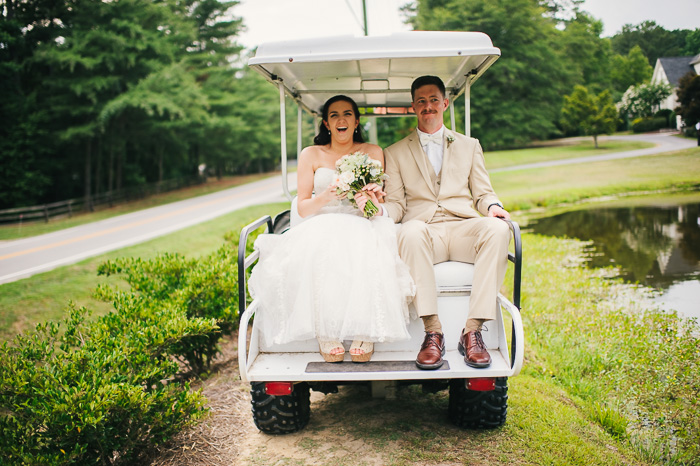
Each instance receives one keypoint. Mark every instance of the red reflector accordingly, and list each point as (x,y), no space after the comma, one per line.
(481,384)
(278,388)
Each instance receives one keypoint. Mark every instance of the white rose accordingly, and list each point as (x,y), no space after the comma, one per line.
(347,177)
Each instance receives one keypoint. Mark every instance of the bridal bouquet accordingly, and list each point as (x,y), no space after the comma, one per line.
(353,172)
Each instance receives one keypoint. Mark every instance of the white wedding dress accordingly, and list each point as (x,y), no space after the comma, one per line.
(335,276)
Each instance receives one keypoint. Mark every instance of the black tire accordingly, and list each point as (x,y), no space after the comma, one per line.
(470,409)
(284,414)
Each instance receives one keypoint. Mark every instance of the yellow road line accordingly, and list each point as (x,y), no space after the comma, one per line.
(130,225)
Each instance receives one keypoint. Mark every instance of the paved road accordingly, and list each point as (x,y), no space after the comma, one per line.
(25,257)
(665,142)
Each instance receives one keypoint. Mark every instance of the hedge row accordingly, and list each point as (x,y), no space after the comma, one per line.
(106,390)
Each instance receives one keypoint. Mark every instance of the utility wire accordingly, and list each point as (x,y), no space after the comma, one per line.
(354,15)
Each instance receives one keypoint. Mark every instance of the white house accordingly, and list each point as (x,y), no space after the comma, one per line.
(669,70)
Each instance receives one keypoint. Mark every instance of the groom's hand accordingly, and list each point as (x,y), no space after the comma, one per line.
(370,192)
(497,211)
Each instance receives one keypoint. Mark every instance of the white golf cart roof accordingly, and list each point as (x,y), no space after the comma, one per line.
(376,72)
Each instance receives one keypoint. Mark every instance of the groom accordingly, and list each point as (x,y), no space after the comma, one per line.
(439,189)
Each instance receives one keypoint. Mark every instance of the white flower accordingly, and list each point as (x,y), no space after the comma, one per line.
(347,177)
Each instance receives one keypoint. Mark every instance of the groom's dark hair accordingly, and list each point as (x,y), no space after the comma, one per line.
(425,81)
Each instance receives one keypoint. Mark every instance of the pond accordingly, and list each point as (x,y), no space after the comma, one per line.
(656,246)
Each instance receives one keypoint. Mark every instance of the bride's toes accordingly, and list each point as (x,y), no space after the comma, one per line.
(361,351)
(332,351)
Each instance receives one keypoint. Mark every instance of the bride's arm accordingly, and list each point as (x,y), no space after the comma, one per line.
(306,204)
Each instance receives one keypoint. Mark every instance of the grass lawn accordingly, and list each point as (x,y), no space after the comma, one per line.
(565,184)
(572,149)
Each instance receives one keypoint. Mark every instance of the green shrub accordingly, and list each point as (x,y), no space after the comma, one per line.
(644,125)
(669,117)
(100,392)
(204,288)
(106,391)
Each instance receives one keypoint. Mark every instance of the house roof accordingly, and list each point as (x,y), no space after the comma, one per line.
(676,67)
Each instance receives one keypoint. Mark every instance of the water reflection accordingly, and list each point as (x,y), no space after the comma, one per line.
(655,246)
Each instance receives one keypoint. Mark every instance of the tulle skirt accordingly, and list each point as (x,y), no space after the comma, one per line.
(335,276)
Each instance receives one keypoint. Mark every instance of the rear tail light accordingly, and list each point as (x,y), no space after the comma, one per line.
(481,384)
(279,388)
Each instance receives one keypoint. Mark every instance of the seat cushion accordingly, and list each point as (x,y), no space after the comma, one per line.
(453,274)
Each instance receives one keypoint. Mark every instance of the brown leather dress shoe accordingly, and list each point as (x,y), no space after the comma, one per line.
(431,351)
(472,347)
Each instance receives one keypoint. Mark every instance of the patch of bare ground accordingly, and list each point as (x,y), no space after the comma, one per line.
(216,439)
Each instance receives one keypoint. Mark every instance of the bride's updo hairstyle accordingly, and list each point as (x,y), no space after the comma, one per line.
(324,135)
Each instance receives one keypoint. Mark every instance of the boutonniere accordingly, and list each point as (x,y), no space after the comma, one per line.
(450,140)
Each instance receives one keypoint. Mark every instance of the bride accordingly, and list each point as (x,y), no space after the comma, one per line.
(337,275)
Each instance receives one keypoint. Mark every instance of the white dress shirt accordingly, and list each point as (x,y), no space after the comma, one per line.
(433,146)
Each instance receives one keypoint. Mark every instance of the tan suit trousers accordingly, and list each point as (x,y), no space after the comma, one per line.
(482,241)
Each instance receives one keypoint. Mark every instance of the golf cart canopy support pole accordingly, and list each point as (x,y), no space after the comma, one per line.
(299,120)
(283,139)
(453,125)
(467,110)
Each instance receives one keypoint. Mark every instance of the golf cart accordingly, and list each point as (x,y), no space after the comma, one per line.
(377,73)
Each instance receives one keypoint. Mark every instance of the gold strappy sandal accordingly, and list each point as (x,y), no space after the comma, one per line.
(366,346)
(326,346)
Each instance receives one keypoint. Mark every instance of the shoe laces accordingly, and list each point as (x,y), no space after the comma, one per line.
(479,340)
(433,337)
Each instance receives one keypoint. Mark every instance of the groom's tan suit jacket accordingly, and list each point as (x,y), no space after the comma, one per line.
(417,197)
(414,192)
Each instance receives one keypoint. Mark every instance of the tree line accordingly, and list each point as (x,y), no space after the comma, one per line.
(99,96)
(548,47)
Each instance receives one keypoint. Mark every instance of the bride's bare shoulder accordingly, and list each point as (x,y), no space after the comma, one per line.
(310,155)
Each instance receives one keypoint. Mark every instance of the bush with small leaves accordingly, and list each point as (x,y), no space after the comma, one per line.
(203,288)
(98,393)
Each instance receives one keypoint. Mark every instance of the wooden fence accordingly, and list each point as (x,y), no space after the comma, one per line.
(67,208)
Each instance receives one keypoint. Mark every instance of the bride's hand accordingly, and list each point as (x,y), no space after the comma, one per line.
(375,192)
(330,194)
(371,192)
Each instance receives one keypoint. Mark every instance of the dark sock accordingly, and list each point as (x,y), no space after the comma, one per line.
(432,323)
(474,324)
